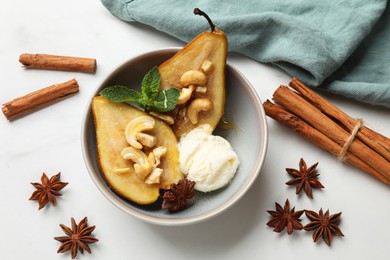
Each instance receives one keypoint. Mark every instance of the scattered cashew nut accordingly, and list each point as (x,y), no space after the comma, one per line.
(154,177)
(142,166)
(166,118)
(201,90)
(158,152)
(137,125)
(185,94)
(193,77)
(154,159)
(196,106)
(207,65)
(146,139)
(121,170)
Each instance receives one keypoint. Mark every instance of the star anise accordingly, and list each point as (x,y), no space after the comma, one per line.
(305,178)
(284,217)
(77,239)
(324,225)
(175,198)
(47,190)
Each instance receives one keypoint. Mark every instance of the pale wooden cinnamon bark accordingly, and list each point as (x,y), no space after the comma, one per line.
(376,141)
(32,101)
(55,62)
(309,113)
(316,137)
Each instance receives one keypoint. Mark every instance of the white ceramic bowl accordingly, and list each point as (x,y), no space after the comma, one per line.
(243,107)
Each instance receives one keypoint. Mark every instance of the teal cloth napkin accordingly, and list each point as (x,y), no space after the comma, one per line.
(341,46)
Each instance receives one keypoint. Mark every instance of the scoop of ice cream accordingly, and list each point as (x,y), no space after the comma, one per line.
(207,159)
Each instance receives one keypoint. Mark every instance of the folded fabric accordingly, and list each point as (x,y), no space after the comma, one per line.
(365,75)
(310,40)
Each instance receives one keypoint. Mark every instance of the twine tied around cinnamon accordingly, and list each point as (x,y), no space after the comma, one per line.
(323,124)
(345,148)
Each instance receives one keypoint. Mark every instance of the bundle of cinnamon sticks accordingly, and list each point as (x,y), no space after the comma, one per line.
(323,124)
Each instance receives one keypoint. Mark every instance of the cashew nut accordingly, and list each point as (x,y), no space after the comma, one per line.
(158,153)
(146,139)
(154,159)
(183,112)
(142,166)
(201,90)
(121,170)
(154,177)
(166,118)
(193,77)
(207,66)
(196,106)
(136,126)
(185,94)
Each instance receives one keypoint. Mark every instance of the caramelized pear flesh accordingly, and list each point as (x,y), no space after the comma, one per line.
(110,121)
(211,46)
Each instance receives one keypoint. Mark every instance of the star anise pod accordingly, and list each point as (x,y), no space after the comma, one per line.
(77,239)
(47,190)
(285,217)
(305,178)
(324,225)
(175,198)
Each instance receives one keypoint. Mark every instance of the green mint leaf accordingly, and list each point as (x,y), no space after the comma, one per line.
(151,83)
(120,94)
(166,100)
(151,97)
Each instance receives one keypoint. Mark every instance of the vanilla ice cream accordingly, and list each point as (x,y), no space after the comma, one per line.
(207,159)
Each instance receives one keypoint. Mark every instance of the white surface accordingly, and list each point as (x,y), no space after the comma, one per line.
(49,141)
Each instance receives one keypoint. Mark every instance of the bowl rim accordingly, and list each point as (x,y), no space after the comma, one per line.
(174,221)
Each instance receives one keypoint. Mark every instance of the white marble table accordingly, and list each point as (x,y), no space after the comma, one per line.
(49,141)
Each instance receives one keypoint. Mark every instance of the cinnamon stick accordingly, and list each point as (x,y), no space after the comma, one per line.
(309,113)
(32,101)
(316,137)
(376,141)
(55,62)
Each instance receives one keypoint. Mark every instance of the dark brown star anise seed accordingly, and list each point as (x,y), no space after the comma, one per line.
(305,178)
(284,217)
(47,190)
(77,239)
(175,198)
(324,225)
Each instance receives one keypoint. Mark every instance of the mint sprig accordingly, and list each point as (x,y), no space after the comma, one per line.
(151,98)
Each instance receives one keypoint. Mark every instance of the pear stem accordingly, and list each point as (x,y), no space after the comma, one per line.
(197,11)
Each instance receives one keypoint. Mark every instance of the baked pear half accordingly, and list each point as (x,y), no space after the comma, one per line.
(111,120)
(198,70)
